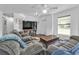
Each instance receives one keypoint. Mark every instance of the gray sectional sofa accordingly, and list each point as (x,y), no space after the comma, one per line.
(71,47)
(13,45)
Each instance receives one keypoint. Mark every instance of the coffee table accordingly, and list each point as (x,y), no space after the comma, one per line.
(48,39)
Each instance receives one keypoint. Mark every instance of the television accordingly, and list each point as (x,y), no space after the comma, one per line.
(29,24)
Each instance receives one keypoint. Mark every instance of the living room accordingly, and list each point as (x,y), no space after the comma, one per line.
(39,29)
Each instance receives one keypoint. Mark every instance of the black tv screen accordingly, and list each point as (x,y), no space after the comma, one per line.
(27,25)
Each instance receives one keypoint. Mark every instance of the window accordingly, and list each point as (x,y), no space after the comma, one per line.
(64,25)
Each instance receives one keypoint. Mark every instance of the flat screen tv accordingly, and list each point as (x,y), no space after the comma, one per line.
(27,25)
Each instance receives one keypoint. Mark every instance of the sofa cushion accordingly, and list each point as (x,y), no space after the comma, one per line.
(13,37)
(32,49)
(10,47)
(73,41)
(61,52)
(75,49)
(70,44)
(75,37)
(2,52)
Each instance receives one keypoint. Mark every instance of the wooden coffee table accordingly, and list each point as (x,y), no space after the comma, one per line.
(47,40)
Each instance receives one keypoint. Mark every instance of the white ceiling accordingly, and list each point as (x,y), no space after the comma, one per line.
(31,9)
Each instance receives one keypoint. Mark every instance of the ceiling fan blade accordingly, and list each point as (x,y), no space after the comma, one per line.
(53,8)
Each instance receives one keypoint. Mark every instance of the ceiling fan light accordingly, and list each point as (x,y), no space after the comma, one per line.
(44,11)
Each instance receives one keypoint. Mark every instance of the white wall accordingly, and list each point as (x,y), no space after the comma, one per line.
(10,24)
(30,18)
(18,18)
(6,24)
(1,25)
(44,24)
(74,12)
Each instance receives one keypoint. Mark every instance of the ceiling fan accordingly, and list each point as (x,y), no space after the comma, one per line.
(45,8)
